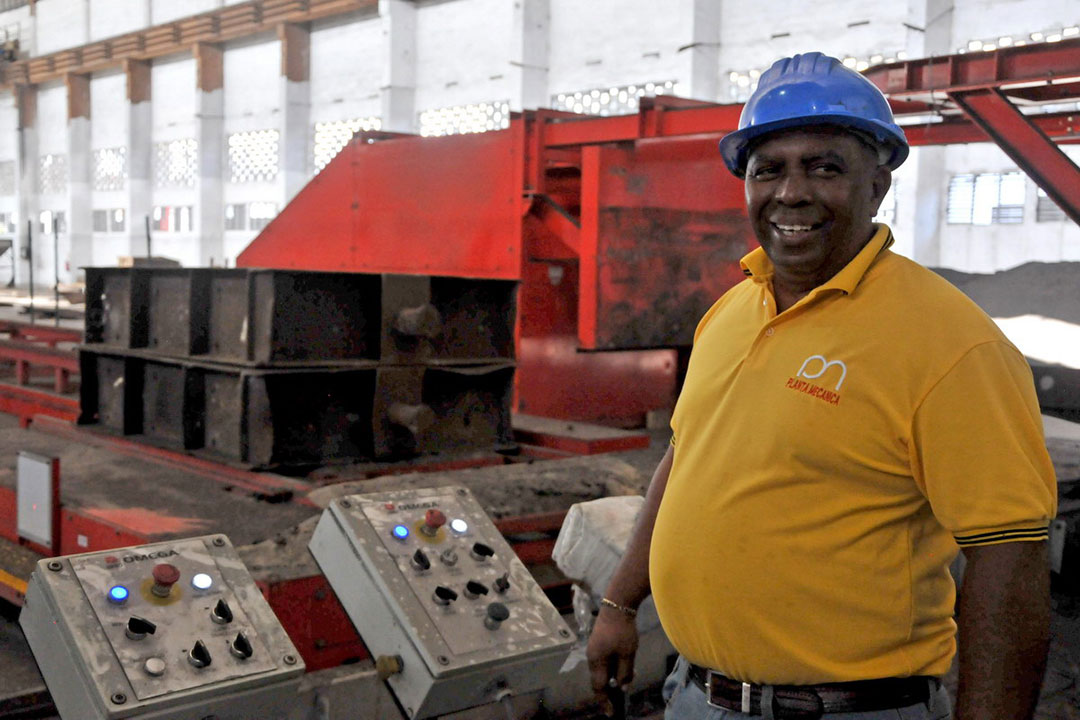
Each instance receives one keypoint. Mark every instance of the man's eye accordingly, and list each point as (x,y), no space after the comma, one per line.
(763,172)
(826,170)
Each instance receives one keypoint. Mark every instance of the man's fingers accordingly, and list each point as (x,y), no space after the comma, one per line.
(598,673)
(624,671)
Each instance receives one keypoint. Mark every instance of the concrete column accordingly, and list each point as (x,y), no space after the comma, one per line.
(140,154)
(529,55)
(700,76)
(931,174)
(210,134)
(76,245)
(296,103)
(399,65)
(27,167)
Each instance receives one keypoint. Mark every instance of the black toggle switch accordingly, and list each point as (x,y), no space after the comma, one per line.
(199,656)
(443,595)
(502,583)
(420,561)
(138,628)
(496,614)
(474,589)
(222,613)
(480,551)
(241,647)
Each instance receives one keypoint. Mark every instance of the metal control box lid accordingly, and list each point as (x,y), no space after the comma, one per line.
(138,630)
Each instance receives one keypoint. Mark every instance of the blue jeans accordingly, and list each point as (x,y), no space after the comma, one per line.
(686,701)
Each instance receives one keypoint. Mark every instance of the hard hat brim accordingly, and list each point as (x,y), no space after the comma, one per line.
(735,146)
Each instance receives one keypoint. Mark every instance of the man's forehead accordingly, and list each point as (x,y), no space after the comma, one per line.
(814,140)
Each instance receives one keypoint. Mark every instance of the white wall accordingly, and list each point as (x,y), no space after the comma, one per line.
(108,111)
(61,24)
(252,93)
(463,52)
(52,119)
(750,42)
(172,98)
(609,43)
(9,123)
(346,63)
(163,11)
(986,20)
(117,17)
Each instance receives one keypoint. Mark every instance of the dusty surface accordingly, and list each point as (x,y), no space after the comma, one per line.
(1048,289)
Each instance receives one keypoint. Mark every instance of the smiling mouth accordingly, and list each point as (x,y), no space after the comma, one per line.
(793,230)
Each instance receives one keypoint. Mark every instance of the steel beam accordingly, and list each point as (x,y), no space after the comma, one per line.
(1047,63)
(1030,148)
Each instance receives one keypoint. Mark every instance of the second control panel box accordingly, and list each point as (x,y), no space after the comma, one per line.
(169,630)
(438,595)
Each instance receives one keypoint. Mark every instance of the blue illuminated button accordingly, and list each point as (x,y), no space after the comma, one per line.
(400,532)
(459,526)
(202,581)
(118,594)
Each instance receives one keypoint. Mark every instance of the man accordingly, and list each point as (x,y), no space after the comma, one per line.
(848,419)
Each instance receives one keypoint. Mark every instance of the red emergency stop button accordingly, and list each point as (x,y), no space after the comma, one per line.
(165,576)
(433,520)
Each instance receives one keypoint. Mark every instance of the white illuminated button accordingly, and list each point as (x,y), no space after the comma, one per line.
(459,526)
(154,666)
(202,581)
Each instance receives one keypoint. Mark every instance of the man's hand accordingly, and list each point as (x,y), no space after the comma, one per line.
(612,645)
(1004,623)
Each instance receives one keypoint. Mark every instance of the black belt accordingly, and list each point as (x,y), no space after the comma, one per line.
(809,702)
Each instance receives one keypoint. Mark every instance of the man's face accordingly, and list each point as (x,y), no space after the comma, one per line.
(811,195)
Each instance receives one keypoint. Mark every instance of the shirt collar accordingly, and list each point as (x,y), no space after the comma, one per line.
(759,268)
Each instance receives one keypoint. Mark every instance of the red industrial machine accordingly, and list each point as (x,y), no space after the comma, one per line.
(624,230)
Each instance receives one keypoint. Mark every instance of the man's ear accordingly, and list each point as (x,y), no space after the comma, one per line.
(882,181)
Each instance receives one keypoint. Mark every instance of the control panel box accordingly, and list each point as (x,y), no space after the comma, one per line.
(174,630)
(439,598)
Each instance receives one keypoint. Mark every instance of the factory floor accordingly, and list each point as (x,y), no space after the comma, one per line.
(23,695)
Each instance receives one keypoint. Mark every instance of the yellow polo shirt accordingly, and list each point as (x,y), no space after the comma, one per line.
(828,462)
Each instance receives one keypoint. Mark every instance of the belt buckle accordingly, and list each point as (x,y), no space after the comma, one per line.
(744,705)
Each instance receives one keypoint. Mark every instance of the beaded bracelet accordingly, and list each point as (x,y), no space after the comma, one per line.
(627,611)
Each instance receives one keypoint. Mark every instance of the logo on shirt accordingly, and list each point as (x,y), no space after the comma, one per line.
(815,367)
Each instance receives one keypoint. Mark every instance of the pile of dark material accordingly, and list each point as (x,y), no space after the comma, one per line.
(1049,290)
(297,368)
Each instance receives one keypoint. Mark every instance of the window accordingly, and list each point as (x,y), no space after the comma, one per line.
(330,137)
(986,198)
(460,119)
(53,174)
(173,218)
(261,214)
(110,168)
(110,221)
(887,211)
(622,100)
(253,156)
(175,163)
(249,216)
(1046,210)
(236,217)
(7,223)
(48,218)
(7,177)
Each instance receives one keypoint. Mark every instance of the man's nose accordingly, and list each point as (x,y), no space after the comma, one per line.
(794,189)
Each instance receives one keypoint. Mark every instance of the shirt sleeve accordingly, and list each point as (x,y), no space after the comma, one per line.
(978,451)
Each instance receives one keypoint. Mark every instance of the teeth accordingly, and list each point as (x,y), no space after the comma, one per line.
(794,228)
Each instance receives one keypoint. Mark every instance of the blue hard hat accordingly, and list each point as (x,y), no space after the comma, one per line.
(814,89)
